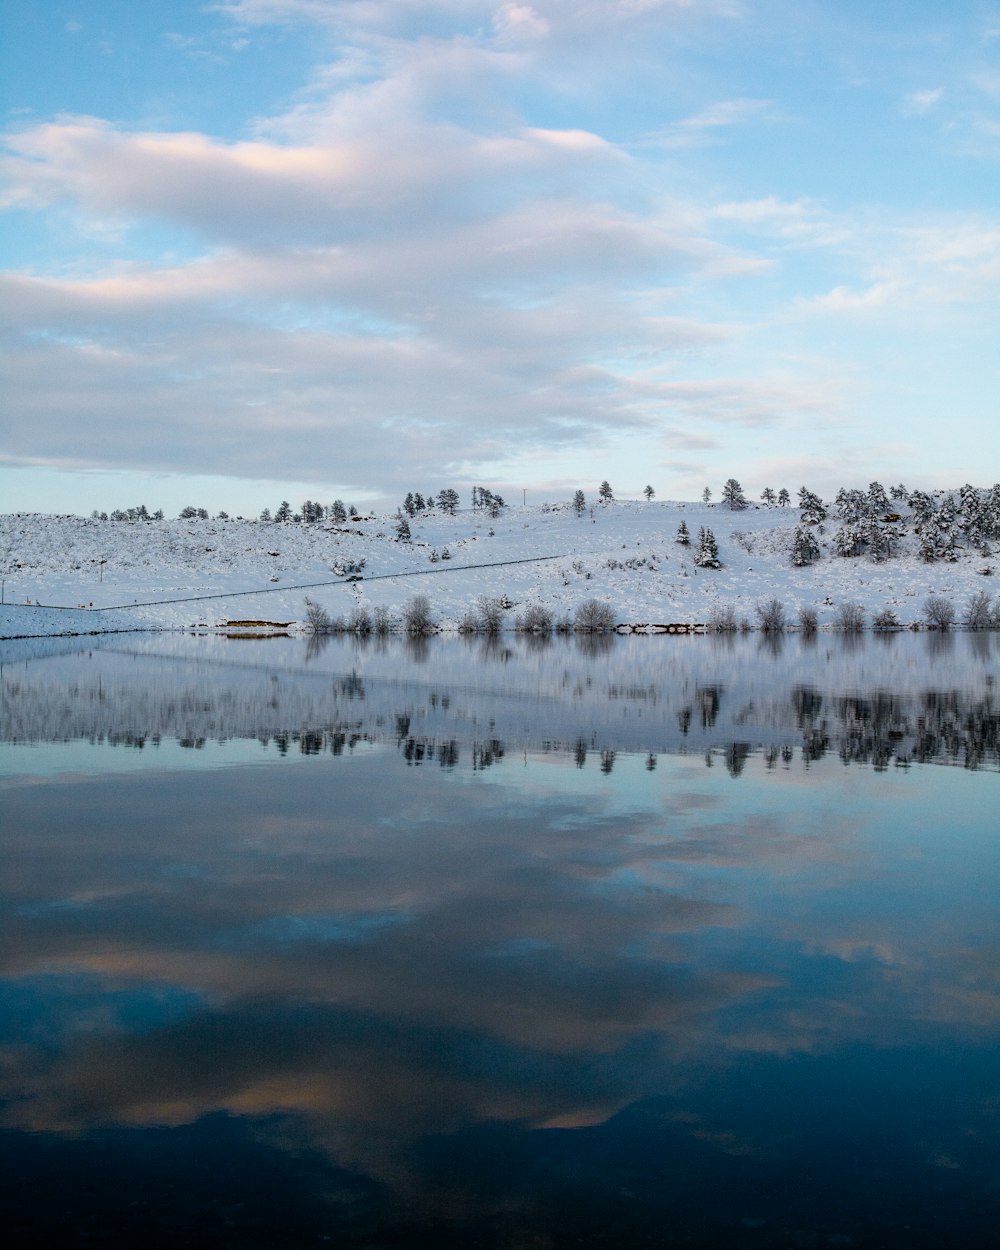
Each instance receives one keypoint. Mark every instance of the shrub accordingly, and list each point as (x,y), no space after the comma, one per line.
(381,620)
(722,618)
(468,623)
(771,615)
(850,618)
(317,617)
(360,622)
(939,612)
(808,620)
(536,619)
(744,540)
(417,615)
(594,617)
(980,613)
(884,619)
(491,613)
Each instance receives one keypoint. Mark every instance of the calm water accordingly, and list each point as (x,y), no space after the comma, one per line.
(669,942)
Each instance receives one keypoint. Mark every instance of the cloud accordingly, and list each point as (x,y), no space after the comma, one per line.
(700,127)
(917,103)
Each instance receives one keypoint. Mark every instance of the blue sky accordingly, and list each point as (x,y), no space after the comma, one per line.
(302,248)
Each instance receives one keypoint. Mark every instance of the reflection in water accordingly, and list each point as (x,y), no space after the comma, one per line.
(908,701)
(419,963)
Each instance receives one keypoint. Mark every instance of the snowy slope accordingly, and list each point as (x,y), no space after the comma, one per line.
(622,553)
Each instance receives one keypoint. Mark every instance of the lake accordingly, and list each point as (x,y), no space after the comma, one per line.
(662,942)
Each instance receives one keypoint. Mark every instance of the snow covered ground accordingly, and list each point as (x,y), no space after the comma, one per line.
(174,574)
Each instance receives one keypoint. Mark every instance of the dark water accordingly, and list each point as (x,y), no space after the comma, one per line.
(657,944)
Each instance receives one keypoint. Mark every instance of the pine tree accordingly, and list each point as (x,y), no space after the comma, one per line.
(579,502)
(402,528)
(448,500)
(605,491)
(805,549)
(768,496)
(649,493)
(337,510)
(707,556)
(706,495)
(284,512)
(849,540)
(878,500)
(683,535)
(732,494)
(812,510)
(784,498)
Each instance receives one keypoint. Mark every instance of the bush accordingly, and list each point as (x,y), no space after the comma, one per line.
(808,620)
(381,620)
(536,619)
(850,618)
(884,619)
(317,617)
(744,540)
(980,613)
(594,617)
(771,615)
(491,614)
(939,612)
(722,618)
(417,615)
(360,622)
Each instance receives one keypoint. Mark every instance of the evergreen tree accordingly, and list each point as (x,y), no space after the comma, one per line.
(683,535)
(409,504)
(265,514)
(805,549)
(922,508)
(812,510)
(707,555)
(878,500)
(579,502)
(732,494)
(784,498)
(849,540)
(706,495)
(284,512)
(768,496)
(448,500)
(605,491)
(402,528)
(649,493)
(338,512)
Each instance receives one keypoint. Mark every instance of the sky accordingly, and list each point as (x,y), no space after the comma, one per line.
(266,249)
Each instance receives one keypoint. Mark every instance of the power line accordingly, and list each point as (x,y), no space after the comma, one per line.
(350,580)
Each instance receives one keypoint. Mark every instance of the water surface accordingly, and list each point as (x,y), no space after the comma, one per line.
(657,943)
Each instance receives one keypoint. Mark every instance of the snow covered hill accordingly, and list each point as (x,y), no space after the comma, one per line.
(58,570)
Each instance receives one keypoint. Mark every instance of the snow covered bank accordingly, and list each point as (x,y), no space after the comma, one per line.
(174,574)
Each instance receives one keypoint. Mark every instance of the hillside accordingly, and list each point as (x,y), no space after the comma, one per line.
(621,553)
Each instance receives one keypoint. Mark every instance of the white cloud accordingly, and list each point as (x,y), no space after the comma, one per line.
(917,103)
